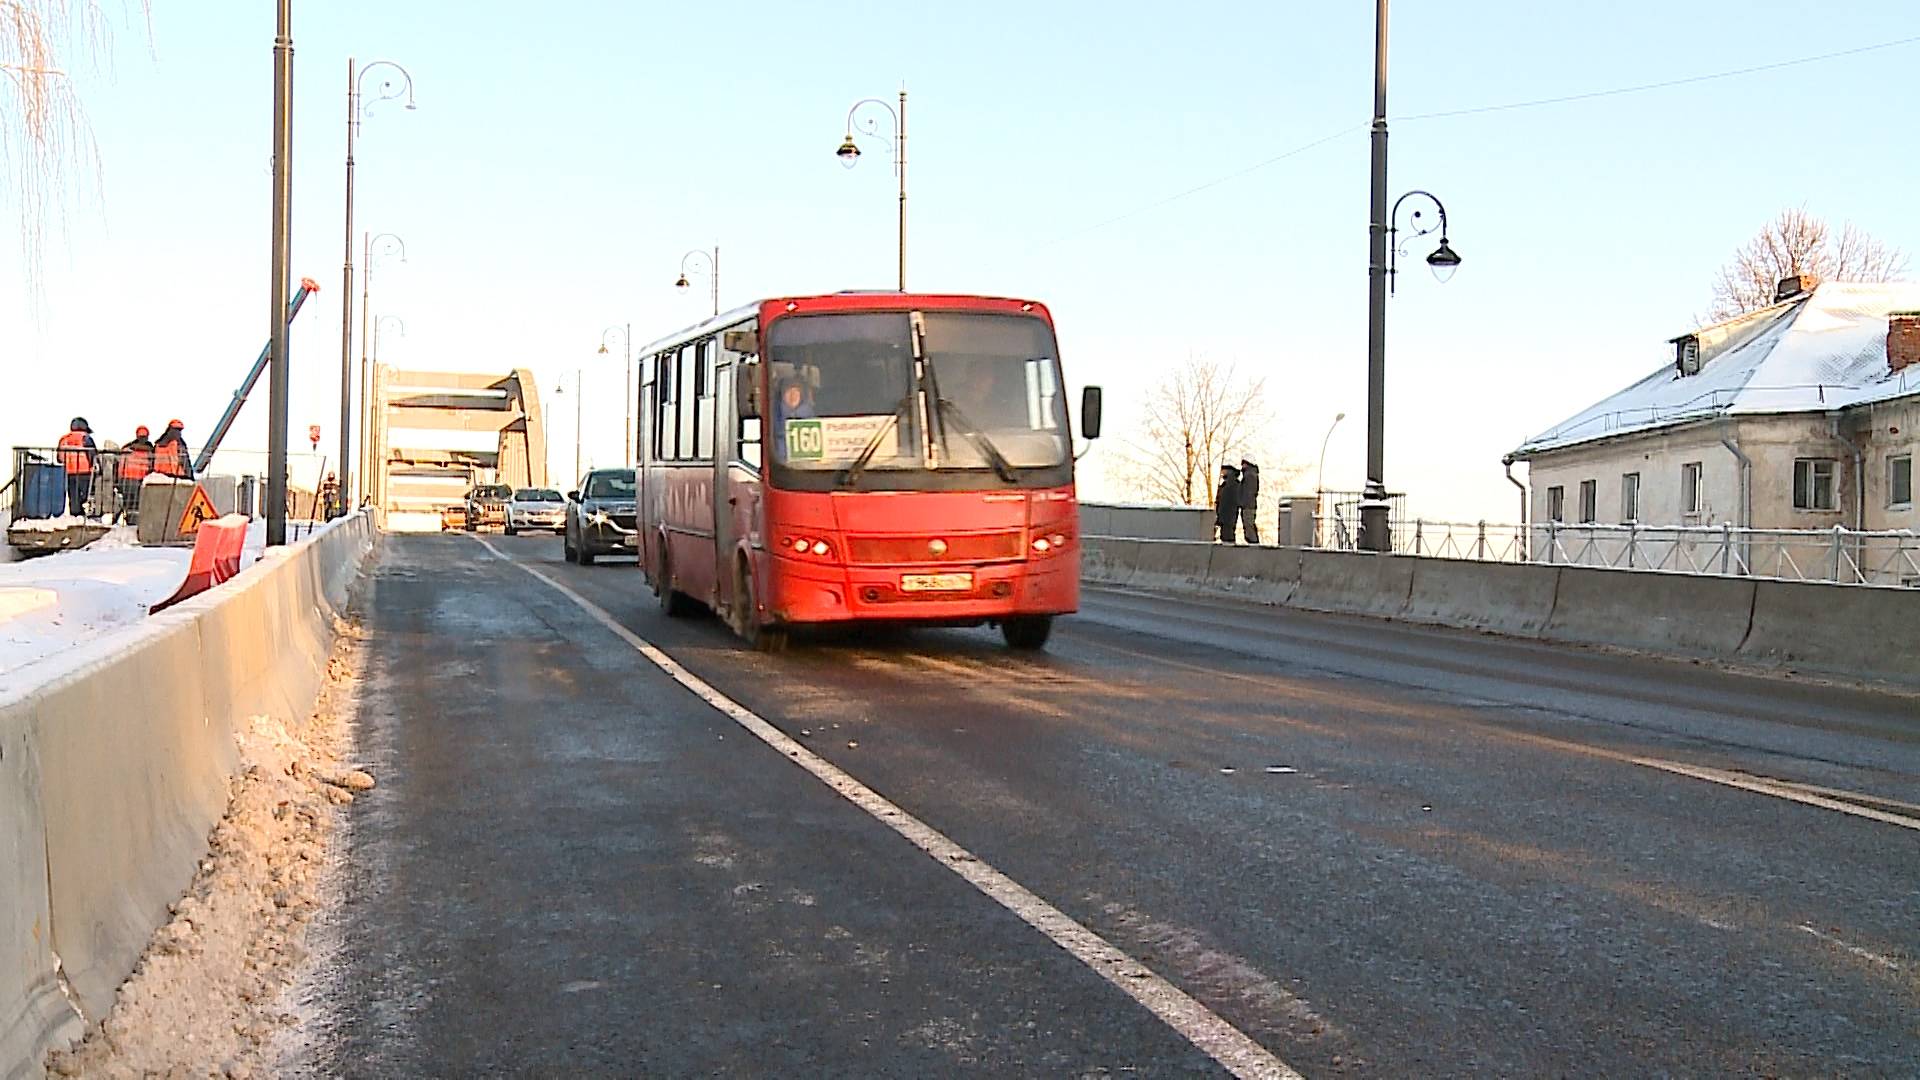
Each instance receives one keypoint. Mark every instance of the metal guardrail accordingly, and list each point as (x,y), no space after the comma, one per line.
(36,488)
(1888,559)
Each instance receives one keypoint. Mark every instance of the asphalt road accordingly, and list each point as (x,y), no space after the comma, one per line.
(1375,849)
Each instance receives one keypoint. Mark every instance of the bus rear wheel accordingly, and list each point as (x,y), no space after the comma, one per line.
(1028,632)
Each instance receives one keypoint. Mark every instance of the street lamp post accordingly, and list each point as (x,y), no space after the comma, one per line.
(370,258)
(388,90)
(713,272)
(626,352)
(1375,511)
(370,439)
(277,384)
(579,399)
(849,154)
(1320,485)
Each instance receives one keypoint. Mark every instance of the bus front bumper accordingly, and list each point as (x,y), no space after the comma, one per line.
(808,592)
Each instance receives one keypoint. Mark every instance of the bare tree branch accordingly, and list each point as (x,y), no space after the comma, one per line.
(1201,416)
(1798,243)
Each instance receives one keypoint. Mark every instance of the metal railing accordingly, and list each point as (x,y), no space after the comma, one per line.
(37,487)
(1838,555)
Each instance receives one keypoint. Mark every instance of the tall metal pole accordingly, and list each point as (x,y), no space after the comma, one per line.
(348,477)
(1375,523)
(579,396)
(366,374)
(282,225)
(716,279)
(900,161)
(626,358)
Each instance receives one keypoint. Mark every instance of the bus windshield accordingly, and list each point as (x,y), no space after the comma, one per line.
(844,391)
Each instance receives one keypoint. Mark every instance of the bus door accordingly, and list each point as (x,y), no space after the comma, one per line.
(736,459)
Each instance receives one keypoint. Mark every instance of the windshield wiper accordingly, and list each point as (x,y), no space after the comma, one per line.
(979,439)
(859,465)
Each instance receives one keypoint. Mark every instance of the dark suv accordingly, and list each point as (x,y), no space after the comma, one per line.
(600,516)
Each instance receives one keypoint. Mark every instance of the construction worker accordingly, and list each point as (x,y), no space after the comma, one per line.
(136,461)
(170,456)
(330,507)
(77,455)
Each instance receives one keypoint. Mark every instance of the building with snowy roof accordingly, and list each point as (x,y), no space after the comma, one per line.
(1800,415)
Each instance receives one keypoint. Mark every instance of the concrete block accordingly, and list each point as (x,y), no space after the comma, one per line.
(133,777)
(162,501)
(1106,561)
(1671,613)
(1352,582)
(1146,522)
(34,1014)
(1508,598)
(1843,629)
(1268,575)
(1177,565)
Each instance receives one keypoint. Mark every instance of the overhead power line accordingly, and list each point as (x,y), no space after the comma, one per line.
(1533,103)
(1664,84)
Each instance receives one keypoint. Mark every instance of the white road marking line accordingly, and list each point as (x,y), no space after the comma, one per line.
(1799,793)
(1868,955)
(1214,1036)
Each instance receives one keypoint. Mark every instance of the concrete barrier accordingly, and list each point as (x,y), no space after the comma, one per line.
(127,750)
(1353,583)
(34,1013)
(1669,613)
(1507,598)
(1266,574)
(1835,628)
(1106,561)
(1171,564)
(1146,522)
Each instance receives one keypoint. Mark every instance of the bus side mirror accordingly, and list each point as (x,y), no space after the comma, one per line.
(744,342)
(1090,412)
(746,388)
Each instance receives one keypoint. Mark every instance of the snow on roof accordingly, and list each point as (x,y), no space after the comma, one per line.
(1820,352)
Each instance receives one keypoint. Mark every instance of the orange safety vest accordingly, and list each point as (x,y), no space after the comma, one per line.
(73,454)
(136,464)
(167,457)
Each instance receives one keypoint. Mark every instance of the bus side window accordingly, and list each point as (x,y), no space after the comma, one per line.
(748,447)
(665,446)
(704,400)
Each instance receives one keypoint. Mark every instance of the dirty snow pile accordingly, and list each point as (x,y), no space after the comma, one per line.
(208,996)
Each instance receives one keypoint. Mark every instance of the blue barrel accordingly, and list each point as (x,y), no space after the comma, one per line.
(43,490)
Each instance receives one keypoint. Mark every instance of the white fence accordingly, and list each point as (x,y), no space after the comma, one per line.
(1845,556)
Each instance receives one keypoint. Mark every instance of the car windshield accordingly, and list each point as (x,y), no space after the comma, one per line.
(610,486)
(493,491)
(536,495)
(842,383)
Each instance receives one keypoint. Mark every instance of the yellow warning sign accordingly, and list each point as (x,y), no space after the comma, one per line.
(199,511)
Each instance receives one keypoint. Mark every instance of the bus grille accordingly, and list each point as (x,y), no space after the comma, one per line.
(906,550)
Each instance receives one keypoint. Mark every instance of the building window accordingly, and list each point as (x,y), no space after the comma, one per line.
(1900,481)
(1813,483)
(1630,497)
(1556,504)
(1589,501)
(1690,488)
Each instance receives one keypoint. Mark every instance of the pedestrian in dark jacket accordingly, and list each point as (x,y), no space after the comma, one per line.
(1249,500)
(170,455)
(1226,503)
(136,462)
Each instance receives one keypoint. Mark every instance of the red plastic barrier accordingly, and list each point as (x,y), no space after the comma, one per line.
(217,546)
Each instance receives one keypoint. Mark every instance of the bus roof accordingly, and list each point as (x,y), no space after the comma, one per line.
(850,300)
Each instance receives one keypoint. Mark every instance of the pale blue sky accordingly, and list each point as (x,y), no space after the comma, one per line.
(563,158)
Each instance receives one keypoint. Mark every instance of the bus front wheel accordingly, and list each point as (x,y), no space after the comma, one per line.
(1027,633)
(761,636)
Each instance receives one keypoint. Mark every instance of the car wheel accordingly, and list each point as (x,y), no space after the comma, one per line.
(511,530)
(586,553)
(1027,633)
(566,548)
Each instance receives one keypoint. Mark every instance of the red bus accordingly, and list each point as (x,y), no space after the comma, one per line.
(862,457)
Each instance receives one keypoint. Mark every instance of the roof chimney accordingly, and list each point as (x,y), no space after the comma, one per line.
(1903,340)
(1790,287)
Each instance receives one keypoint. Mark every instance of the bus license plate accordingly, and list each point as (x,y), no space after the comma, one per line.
(936,582)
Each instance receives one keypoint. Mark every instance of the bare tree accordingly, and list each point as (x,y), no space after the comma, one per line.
(45,142)
(1798,243)
(1202,415)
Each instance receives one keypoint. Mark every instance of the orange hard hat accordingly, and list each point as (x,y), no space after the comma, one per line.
(140,432)
(175,423)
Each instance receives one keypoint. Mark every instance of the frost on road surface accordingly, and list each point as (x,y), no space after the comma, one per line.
(209,995)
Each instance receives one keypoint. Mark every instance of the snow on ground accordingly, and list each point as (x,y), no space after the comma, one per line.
(50,605)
